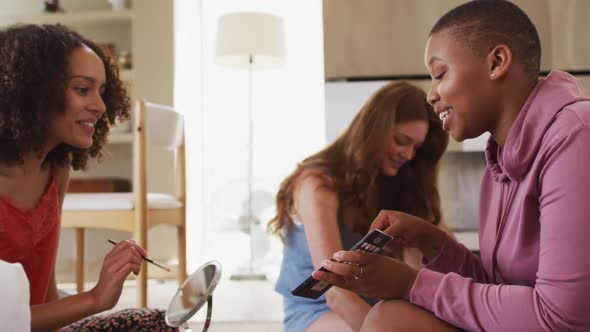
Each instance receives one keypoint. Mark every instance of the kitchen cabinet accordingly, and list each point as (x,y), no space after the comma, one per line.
(378,38)
(386,38)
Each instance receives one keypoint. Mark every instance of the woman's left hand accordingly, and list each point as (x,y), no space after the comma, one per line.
(370,275)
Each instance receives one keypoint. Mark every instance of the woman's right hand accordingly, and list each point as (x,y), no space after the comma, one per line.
(123,259)
(410,231)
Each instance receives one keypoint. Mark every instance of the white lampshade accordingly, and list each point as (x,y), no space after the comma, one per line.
(244,34)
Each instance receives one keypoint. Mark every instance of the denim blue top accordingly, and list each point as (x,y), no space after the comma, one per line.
(297,266)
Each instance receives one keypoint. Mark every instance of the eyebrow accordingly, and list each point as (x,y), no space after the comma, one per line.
(411,139)
(433,59)
(87,78)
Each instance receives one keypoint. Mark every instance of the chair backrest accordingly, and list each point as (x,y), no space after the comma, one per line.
(164,125)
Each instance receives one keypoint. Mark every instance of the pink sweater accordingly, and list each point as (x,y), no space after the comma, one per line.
(534,272)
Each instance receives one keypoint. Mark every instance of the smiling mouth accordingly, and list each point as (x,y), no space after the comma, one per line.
(443,115)
(87,124)
(396,163)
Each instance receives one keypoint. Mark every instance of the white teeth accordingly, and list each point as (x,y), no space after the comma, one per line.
(444,114)
(87,124)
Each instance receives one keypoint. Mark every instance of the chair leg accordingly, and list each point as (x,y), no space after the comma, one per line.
(79,249)
(142,287)
(181,255)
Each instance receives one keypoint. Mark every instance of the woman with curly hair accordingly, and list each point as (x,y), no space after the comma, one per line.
(386,159)
(59,94)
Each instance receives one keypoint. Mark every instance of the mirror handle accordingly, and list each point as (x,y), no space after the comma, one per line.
(209,311)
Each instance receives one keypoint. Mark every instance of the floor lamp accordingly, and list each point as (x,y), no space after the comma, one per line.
(250,41)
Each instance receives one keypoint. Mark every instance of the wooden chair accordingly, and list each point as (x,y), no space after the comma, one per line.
(137,211)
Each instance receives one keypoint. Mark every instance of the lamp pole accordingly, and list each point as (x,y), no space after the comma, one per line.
(249,273)
(250,39)
(250,166)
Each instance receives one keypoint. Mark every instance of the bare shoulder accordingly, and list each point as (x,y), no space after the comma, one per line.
(316,186)
(62,176)
(316,203)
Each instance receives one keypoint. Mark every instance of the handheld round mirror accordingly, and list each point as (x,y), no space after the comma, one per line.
(193,294)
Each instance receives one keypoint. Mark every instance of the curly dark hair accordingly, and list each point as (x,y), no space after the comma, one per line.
(33,78)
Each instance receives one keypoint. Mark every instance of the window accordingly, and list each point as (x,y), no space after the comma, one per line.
(289,125)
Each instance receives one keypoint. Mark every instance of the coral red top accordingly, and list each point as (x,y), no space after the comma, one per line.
(30,237)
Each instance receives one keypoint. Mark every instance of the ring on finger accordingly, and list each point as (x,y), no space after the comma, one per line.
(360,274)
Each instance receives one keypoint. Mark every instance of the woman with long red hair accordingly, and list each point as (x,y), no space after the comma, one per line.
(386,159)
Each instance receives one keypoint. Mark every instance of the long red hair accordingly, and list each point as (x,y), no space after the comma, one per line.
(351,164)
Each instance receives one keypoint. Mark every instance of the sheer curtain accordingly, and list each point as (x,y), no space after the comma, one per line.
(289,123)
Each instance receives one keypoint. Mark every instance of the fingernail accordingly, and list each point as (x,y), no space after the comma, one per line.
(326,264)
(339,255)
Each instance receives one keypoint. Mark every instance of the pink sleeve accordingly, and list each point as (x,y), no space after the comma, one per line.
(455,257)
(559,301)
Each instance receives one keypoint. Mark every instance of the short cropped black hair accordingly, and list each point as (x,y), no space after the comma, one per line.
(33,78)
(483,24)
